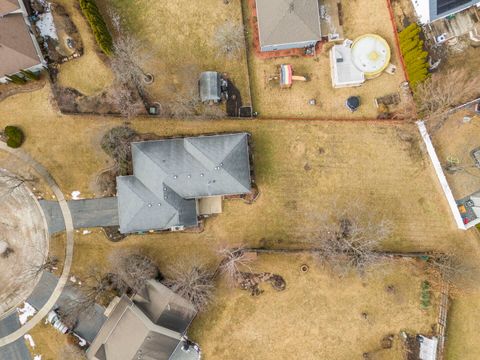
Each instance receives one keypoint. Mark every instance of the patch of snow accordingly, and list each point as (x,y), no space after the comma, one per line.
(37,357)
(86,232)
(26,312)
(46,25)
(73,279)
(75,195)
(29,338)
(81,341)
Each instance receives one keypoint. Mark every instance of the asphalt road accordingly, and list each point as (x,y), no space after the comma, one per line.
(16,350)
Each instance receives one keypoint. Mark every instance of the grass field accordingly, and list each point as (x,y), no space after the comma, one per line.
(360,17)
(381,165)
(318,316)
(178,38)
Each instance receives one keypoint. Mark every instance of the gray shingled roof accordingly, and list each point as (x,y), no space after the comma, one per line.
(288,21)
(129,332)
(169,174)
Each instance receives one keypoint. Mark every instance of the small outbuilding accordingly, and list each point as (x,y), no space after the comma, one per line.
(212,86)
(343,71)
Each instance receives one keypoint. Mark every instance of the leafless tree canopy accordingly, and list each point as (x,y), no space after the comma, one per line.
(129,57)
(133,268)
(233,262)
(350,240)
(73,352)
(454,270)
(194,283)
(93,289)
(116,143)
(229,39)
(10,182)
(443,91)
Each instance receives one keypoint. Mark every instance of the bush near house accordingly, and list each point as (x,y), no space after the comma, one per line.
(14,136)
(414,56)
(98,25)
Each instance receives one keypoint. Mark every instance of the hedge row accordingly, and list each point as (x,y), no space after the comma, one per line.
(414,56)
(98,25)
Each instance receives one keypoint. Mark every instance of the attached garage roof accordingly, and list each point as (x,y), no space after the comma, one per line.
(288,21)
(17,50)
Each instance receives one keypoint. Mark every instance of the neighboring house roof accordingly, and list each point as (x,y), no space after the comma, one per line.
(169,174)
(288,21)
(17,50)
(430,10)
(209,86)
(8,6)
(130,333)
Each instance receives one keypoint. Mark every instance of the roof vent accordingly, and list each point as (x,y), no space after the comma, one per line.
(150,205)
(164,189)
(202,174)
(189,176)
(175,176)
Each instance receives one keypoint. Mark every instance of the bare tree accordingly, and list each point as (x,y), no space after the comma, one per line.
(349,240)
(229,39)
(233,262)
(94,288)
(132,268)
(116,143)
(192,282)
(129,55)
(11,182)
(453,271)
(443,91)
(125,100)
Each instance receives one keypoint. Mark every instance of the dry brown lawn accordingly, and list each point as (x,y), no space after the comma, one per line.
(360,17)
(382,166)
(88,74)
(178,38)
(318,316)
(454,141)
(50,343)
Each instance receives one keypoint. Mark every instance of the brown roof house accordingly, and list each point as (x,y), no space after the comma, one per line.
(147,327)
(19,49)
(288,24)
(177,180)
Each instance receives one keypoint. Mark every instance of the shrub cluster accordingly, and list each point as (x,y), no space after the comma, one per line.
(98,25)
(413,53)
(425,299)
(14,136)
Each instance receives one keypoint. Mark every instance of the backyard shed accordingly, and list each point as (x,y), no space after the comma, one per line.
(343,71)
(288,24)
(210,86)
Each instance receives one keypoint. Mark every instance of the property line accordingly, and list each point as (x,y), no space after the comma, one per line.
(67,216)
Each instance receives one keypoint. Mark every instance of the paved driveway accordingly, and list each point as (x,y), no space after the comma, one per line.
(88,324)
(16,350)
(85,213)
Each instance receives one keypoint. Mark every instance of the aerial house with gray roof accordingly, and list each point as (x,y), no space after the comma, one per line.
(176,180)
(288,24)
(150,326)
